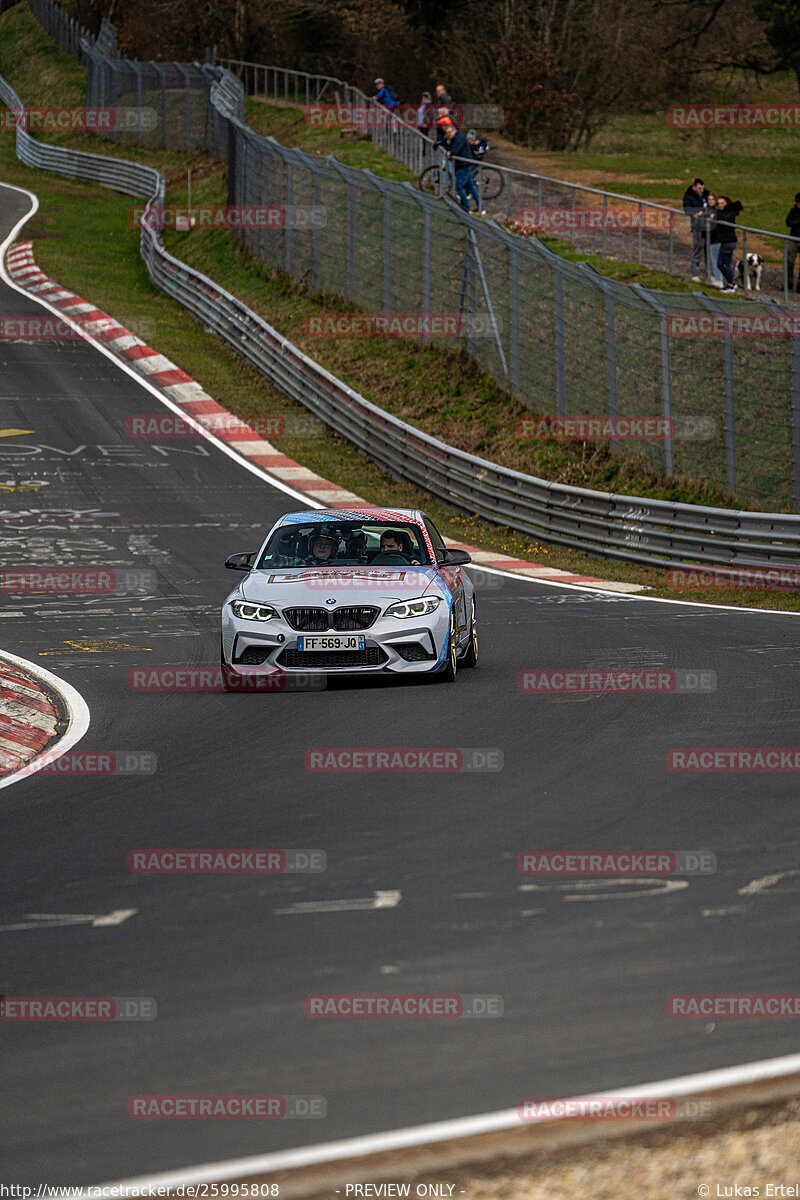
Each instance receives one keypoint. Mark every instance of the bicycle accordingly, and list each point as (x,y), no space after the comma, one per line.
(488,180)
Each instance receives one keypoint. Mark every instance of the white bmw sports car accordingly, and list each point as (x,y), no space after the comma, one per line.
(361,591)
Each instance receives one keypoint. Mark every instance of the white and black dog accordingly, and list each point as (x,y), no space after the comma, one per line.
(755,265)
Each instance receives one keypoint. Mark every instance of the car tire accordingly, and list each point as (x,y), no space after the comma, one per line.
(470,656)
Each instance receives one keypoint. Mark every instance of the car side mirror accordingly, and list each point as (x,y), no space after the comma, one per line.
(454,558)
(240,562)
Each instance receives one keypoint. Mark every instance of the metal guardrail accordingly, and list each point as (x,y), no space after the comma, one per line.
(613,526)
(590,218)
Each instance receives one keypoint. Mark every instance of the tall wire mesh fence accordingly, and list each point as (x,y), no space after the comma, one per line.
(593,220)
(69,34)
(569,342)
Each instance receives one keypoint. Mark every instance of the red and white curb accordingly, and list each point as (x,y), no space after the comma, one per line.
(189,394)
(29,718)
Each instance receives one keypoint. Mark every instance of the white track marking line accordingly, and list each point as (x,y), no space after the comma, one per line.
(305,500)
(421,1135)
(587,587)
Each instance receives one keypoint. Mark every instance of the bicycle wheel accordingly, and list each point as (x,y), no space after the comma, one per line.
(489,182)
(429,181)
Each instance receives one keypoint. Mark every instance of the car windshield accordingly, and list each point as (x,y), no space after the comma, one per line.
(345,543)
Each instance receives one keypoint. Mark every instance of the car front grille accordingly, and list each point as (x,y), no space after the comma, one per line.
(307,620)
(345,619)
(373,656)
(317,620)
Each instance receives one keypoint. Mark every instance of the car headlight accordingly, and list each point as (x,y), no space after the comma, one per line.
(253,612)
(414,608)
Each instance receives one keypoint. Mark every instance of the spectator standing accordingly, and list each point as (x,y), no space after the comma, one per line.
(727,212)
(793,221)
(459,148)
(441,97)
(385,96)
(694,205)
(424,121)
(711,233)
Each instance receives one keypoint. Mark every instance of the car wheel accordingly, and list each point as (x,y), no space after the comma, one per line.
(448,672)
(470,658)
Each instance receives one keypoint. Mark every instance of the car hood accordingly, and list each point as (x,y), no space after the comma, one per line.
(313,586)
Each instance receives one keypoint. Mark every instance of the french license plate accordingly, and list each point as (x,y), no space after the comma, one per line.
(353,641)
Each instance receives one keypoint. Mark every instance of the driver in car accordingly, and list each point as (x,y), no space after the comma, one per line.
(393,542)
(322,549)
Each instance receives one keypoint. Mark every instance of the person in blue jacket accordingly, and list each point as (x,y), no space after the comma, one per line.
(458,148)
(385,97)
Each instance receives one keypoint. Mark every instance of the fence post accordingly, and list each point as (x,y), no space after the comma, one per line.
(427,223)
(795,340)
(745,280)
(671,240)
(316,231)
(513,263)
(666,375)
(351,240)
(730,397)
(561,367)
(387,251)
(287,241)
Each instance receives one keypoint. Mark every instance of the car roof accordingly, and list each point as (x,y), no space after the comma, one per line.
(367,513)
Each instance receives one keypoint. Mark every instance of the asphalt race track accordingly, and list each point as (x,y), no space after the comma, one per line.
(584,978)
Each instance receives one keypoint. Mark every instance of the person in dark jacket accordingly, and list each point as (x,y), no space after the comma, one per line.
(727,212)
(459,148)
(793,221)
(694,205)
